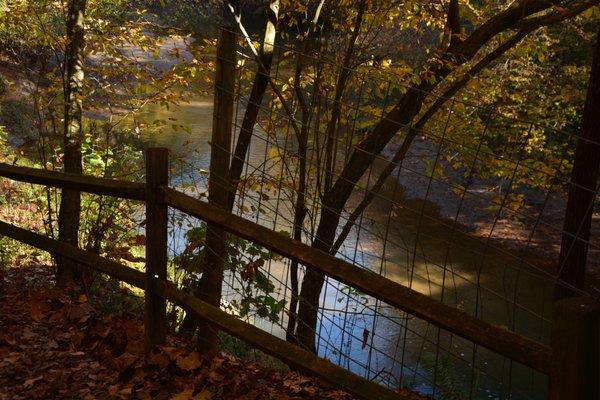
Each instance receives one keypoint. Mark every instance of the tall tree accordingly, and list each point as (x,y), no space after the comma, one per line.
(70,203)
(583,189)
(209,286)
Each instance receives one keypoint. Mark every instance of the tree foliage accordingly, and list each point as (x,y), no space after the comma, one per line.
(499,85)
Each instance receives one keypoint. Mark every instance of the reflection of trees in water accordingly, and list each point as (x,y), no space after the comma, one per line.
(384,240)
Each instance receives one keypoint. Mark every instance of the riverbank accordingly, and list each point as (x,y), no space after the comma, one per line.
(534,228)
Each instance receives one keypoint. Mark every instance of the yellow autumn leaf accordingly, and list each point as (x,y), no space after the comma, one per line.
(274,153)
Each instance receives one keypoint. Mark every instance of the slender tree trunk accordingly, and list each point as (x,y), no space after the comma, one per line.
(70,203)
(299,216)
(313,282)
(211,283)
(583,190)
(340,88)
(259,86)
(300,205)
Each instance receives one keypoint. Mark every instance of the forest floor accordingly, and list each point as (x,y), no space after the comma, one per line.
(59,346)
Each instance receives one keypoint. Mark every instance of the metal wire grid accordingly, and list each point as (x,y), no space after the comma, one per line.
(339,331)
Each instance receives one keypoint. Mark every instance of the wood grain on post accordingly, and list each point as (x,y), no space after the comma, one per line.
(575,372)
(155,315)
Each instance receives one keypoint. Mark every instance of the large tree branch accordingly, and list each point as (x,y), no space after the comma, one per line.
(259,86)
(531,25)
(505,20)
(411,102)
(556,16)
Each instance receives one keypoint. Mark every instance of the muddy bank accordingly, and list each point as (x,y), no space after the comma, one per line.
(536,227)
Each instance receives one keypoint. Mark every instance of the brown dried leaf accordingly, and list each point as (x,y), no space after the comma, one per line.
(30,382)
(190,362)
(187,394)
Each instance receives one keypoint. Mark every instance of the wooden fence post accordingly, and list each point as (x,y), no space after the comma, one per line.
(575,372)
(211,282)
(155,316)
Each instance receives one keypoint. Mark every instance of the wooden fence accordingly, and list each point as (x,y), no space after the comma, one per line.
(571,362)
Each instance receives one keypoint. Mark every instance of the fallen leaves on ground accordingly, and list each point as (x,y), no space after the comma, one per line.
(53,346)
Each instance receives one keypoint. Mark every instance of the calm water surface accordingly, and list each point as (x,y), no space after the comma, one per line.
(468,273)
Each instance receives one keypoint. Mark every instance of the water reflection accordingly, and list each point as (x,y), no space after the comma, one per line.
(368,337)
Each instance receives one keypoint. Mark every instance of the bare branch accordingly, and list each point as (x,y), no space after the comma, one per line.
(340,87)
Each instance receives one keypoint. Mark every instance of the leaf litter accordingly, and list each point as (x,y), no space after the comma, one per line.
(56,346)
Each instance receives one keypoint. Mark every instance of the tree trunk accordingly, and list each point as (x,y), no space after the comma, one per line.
(313,281)
(333,204)
(299,216)
(582,191)
(209,289)
(70,202)
(300,210)
(259,87)
(518,15)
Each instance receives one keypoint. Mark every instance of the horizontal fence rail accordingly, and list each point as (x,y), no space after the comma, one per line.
(507,343)
(89,184)
(517,347)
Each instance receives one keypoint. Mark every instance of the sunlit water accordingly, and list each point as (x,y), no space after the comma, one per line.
(363,335)
(425,253)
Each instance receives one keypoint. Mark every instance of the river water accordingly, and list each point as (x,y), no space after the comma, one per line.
(401,237)
(425,253)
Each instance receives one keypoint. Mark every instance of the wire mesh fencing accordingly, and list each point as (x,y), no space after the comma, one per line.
(467,208)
